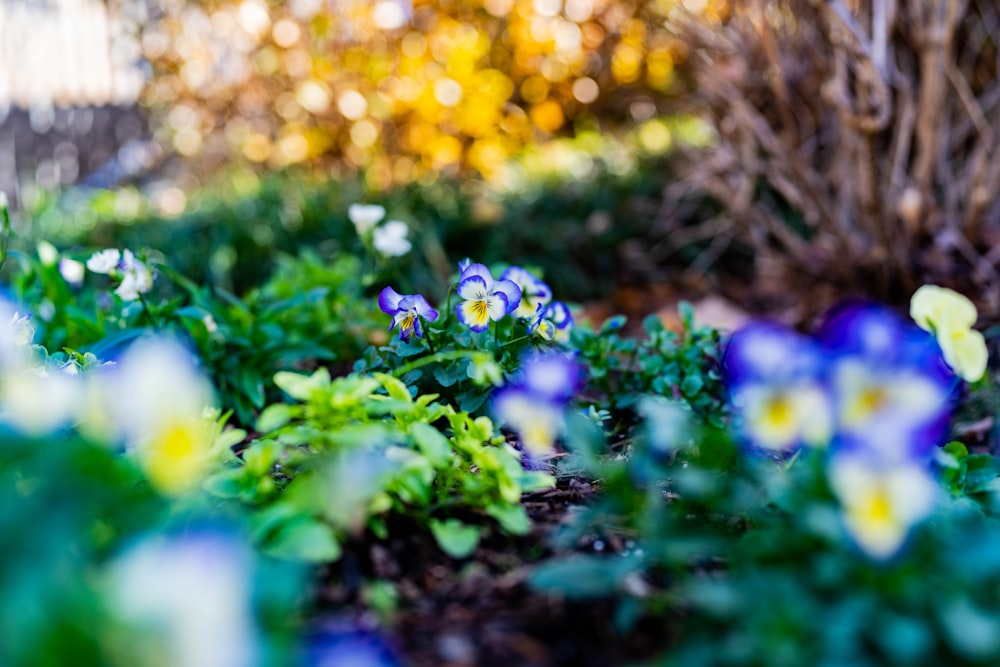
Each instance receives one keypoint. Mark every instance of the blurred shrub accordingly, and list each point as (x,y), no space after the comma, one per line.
(403,90)
(852,130)
(582,232)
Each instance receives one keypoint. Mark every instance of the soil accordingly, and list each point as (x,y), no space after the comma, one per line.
(481,611)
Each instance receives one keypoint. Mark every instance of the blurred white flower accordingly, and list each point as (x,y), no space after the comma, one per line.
(155,399)
(47,253)
(4,203)
(72,271)
(192,595)
(137,278)
(390,239)
(104,261)
(36,402)
(21,331)
(365,216)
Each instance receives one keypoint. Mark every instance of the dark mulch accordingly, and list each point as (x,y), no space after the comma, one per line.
(480,611)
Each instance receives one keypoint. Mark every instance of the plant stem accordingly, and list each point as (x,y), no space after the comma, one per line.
(450,355)
(154,320)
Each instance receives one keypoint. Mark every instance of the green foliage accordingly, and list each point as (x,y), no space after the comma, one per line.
(683,366)
(234,226)
(748,561)
(353,450)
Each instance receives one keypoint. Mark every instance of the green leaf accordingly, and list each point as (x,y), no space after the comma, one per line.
(584,576)
(394,387)
(692,384)
(225,484)
(273,417)
(446,375)
(472,400)
(981,469)
(454,537)
(301,387)
(431,443)
(306,540)
(613,324)
(512,518)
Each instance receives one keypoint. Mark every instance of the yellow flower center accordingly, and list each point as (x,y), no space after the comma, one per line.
(778,412)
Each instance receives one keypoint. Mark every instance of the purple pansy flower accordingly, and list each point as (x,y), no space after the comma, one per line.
(777,387)
(485,299)
(892,386)
(534,291)
(535,406)
(406,311)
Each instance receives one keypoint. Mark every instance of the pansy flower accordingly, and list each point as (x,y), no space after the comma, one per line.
(552,321)
(880,503)
(390,239)
(776,386)
(406,311)
(137,278)
(365,217)
(950,317)
(534,291)
(484,299)
(891,385)
(535,405)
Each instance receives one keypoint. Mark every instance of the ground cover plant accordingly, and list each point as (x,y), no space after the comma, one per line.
(331,469)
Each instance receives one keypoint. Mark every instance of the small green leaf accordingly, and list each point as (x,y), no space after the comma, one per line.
(431,443)
(307,540)
(455,538)
(512,518)
(301,387)
(225,484)
(394,387)
(613,324)
(273,417)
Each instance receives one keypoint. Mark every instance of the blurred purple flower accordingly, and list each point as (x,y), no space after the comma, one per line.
(534,291)
(776,382)
(535,406)
(891,384)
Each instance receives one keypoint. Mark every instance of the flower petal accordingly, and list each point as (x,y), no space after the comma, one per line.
(477,270)
(474,314)
(933,307)
(558,312)
(497,306)
(473,288)
(965,351)
(423,308)
(388,300)
(511,293)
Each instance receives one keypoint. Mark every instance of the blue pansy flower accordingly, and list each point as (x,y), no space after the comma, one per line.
(776,386)
(890,381)
(534,291)
(484,299)
(406,311)
(881,502)
(534,406)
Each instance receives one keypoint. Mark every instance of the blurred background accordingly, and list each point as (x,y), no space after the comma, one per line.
(396,90)
(739,147)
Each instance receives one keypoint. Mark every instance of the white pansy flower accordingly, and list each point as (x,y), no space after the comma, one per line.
(365,216)
(21,331)
(390,239)
(155,400)
(191,595)
(72,271)
(36,402)
(137,278)
(104,261)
